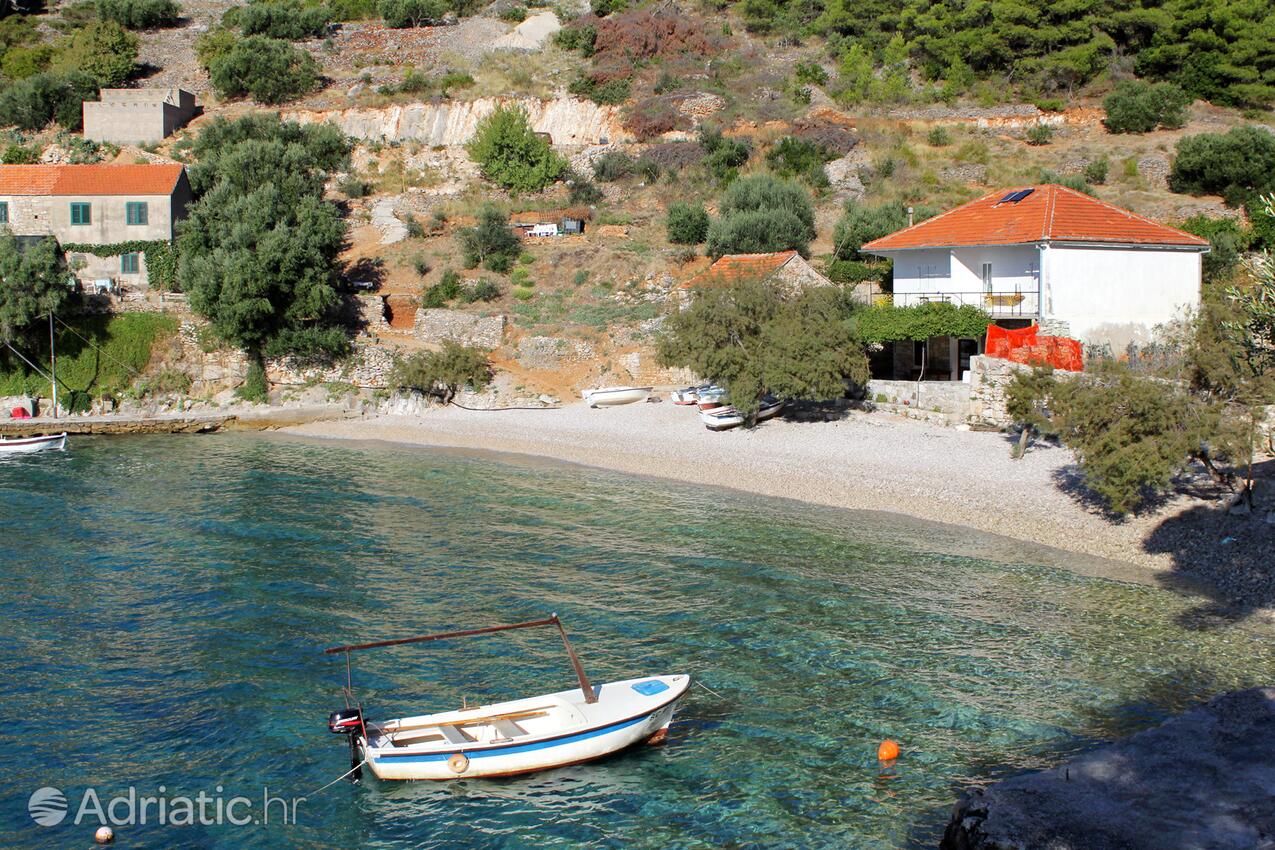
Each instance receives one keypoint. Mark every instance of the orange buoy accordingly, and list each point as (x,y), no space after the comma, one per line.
(888,751)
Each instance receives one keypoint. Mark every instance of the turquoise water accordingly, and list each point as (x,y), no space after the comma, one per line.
(166,600)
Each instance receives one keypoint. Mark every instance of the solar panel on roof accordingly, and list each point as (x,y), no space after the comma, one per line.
(1016,196)
(1009,197)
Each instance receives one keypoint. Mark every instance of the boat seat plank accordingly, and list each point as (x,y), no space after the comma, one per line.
(454,735)
(508,729)
(541,711)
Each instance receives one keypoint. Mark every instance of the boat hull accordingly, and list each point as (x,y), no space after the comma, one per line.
(27,445)
(613,396)
(723,419)
(600,737)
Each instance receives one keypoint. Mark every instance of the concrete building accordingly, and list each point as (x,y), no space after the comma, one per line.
(96,205)
(1052,256)
(137,116)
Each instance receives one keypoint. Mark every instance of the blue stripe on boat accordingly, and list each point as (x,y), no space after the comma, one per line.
(516,748)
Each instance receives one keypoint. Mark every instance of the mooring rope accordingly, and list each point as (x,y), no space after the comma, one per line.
(338,779)
(710,690)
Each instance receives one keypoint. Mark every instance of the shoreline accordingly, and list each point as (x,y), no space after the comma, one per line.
(873,463)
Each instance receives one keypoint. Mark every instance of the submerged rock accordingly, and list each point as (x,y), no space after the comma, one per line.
(1204,780)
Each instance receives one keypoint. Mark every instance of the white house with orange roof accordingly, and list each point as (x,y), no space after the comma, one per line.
(98,205)
(1076,265)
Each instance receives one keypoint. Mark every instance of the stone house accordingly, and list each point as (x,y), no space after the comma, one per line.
(787,269)
(99,205)
(137,116)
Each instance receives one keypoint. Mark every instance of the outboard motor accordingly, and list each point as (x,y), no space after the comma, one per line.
(349,722)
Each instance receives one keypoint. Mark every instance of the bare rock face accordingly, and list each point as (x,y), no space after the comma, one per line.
(1203,780)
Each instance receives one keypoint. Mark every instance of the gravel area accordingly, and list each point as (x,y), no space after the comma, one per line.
(866,462)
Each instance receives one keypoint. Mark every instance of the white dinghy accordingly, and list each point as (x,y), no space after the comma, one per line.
(612,396)
(518,736)
(25,445)
(722,418)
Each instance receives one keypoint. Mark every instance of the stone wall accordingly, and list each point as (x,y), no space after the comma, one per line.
(550,352)
(989,383)
(436,325)
(368,366)
(372,314)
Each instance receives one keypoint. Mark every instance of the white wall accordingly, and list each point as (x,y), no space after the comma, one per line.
(910,268)
(1115,296)
(958,273)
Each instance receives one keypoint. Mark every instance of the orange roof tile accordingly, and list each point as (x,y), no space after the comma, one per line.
(158,179)
(733,267)
(1050,213)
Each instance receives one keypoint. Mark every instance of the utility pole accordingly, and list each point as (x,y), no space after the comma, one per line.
(53,367)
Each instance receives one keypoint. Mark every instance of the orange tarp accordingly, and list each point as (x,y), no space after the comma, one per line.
(1029,347)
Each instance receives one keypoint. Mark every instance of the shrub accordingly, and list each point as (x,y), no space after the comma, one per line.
(415,230)
(443,292)
(1238,164)
(420,265)
(165,382)
(267,70)
(1071,181)
(510,154)
(352,10)
(609,93)
(442,373)
(577,37)
(1096,171)
(17,154)
(687,223)
(139,14)
(400,14)
(354,187)
(612,166)
(757,231)
(765,192)
(582,190)
(811,73)
(309,345)
(724,156)
(793,157)
(104,50)
(514,14)
(35,102)
(939,137)
(483,290)
(602,8)
(1139,107)
(283,19)
(1227,242)
(854,271)
(490,242)
(1039,134)
(862,223)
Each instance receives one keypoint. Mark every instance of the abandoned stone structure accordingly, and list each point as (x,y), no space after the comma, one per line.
(137,116)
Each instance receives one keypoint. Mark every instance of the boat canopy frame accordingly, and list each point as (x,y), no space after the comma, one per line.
(590,696)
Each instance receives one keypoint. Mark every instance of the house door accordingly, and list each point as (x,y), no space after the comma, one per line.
(987,278)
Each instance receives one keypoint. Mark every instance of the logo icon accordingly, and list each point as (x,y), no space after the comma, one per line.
(47,806)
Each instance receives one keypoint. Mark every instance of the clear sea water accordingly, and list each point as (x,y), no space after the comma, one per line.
(165,601)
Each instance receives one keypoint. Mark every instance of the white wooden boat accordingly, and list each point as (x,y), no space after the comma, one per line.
(612,396)
(513,737)
(723,418)
(24,445)
(686,395)
(712,398)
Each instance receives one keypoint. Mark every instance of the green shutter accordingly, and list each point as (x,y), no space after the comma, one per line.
(136,212)
(129,264)
(81,214)
(4,212)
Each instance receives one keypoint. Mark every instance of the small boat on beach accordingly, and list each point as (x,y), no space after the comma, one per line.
(723,418)
(684,396)
(511,737)
(26,445)
(711,398)
(612,396)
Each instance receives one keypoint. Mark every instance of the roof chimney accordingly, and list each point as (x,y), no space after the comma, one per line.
(909,216)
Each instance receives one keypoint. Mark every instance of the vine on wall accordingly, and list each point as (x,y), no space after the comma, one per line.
(161,257)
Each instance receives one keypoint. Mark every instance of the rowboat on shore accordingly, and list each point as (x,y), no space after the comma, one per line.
(26,445)
(612,396)
(512,737)
(722,418)
(712,398)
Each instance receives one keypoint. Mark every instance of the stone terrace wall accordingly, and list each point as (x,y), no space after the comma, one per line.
(436,325)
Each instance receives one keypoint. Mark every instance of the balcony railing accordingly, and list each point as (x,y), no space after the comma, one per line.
(999,304)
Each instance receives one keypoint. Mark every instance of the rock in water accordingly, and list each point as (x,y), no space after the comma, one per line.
(1201,780)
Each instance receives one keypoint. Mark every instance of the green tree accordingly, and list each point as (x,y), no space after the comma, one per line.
(33,284)
(510,154)
(490,242)
(1237,164)
(267,70)
(767,193)
(862,223)
(746,336)
(1227,241)
(259,245)
(139,14)
(442,373)
(857,75)
(34,103)
(289,20)
(1140,107)
(401,14)
(793,157)
(103,50)
(687,223)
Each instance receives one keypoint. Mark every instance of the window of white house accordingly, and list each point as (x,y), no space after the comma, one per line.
(135,212)
(927,272)
(4,212)
(81,213)
(130,263)
(987,277)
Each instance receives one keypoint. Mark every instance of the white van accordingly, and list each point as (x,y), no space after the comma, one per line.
(543,230)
